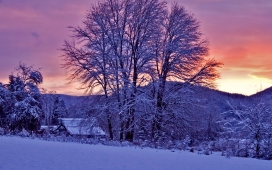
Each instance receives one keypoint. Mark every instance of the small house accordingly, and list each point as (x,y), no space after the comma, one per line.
(80,127)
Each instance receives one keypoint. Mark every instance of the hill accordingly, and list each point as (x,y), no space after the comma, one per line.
(215,100)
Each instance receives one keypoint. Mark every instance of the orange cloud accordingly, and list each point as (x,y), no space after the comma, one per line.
(263,74)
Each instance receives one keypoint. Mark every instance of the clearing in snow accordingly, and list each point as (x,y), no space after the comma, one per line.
(26,154)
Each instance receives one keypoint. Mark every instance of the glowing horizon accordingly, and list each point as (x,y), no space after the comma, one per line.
(239,33)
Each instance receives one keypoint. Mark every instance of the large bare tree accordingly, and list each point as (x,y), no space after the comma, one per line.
(124,45)
(180,56)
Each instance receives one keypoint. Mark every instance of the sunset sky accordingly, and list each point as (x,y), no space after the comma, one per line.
(239,32)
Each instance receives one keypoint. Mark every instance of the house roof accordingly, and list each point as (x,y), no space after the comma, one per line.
(79,126)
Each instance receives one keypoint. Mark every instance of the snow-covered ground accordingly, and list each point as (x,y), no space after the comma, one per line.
(26,154)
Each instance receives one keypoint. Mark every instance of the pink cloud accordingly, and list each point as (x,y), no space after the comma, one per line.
(34,31)
(239,33)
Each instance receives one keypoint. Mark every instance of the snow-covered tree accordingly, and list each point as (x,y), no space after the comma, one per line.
(59,110)
(116,52)
(181,56)
(23,104)
(26,114)
(6,105)
(48,99)
(124,45)
(251,124)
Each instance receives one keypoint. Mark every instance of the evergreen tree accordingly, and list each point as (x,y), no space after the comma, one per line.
(21,107)
(59,111)
(6,105)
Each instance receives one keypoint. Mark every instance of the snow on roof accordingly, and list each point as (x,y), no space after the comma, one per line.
(49,127)
(79,126)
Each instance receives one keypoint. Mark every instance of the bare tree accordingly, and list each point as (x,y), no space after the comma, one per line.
(250,122)
(127,44)
(180,56)
(116,37)
(47,99)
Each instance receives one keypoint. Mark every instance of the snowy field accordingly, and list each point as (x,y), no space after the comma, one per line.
(27,154)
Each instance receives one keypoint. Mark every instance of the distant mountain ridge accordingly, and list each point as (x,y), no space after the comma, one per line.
(70,99)
(267,91)
(214,100)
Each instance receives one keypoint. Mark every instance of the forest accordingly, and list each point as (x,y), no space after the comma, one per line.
(150,82)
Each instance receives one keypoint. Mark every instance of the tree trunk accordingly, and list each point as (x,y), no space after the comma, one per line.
(159,112)
(110,127)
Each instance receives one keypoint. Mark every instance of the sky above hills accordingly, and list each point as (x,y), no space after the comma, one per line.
(239,33)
